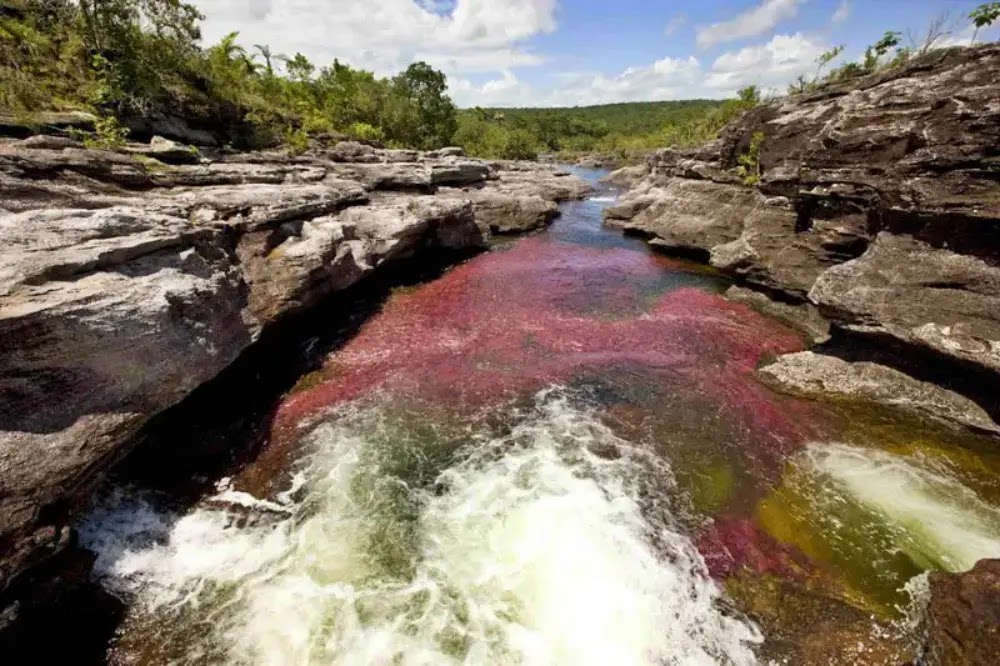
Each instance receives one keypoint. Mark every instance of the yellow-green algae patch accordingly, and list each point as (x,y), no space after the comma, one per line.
(876,518)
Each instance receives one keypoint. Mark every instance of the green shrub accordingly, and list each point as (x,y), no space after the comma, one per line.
(749,162)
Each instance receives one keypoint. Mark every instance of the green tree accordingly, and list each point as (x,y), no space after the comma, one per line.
(426,89)
(983,16)
(875,52)
(825,59)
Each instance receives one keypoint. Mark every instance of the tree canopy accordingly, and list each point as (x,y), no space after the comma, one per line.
(128,59)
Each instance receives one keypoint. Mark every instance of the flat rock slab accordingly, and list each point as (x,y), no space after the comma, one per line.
(821,376)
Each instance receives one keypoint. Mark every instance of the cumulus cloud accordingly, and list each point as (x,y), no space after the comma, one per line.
(843,12)
(756,21)
(669,78)
(385,35)
(769,65)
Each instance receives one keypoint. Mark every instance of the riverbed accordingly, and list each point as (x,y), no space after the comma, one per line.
(557,452)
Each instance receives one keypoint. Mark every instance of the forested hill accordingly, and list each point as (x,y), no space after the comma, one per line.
(624,130)
(605,127)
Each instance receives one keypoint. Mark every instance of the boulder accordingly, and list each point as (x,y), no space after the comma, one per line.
(352,151)
(920,295)
(48,142)
(628,176)
(105,318)
(167,151)
(503,212)
(450,151)
(688,214)
(963,617)
(49,121)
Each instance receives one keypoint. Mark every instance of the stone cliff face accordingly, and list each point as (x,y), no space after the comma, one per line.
(128,280)
(877,210)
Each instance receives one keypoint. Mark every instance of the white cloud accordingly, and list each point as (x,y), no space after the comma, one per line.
(771,65)
(964,37)
(385,35)
(843,12)
(675,24)
(669,78)
(757,21)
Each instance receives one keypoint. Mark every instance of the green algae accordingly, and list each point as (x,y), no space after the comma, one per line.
(876,519)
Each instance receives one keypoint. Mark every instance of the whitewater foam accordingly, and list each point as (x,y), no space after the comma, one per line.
(554,543)
(932,516)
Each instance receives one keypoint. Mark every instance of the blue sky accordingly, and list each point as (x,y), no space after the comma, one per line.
(576,52)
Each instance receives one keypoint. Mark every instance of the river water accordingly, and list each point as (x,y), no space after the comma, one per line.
(555,453)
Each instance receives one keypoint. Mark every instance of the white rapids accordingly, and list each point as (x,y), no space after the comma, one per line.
(554,543)
(931,516)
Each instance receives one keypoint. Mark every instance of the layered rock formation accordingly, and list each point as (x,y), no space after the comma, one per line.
(129,279)
(878,209)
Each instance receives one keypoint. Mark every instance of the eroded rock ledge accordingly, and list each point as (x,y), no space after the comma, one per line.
(878,210)
(129,279)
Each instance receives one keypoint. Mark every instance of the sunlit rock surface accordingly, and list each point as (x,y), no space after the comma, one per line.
(877,203)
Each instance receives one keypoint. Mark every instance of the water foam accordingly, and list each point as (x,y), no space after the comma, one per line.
(554,543)
(935,519)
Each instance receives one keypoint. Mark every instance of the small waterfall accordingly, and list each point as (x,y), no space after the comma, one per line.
(927,513)
(552,541)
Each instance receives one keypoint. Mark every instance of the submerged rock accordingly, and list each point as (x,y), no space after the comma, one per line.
(801,316)
(125,284)
(963,617)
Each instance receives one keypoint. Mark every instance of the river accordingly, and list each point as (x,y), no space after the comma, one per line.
(555,453)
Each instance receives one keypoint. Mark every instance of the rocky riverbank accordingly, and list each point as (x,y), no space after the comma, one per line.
(130,278)
(877,214)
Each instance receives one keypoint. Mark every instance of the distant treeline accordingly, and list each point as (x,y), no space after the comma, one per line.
(624,130)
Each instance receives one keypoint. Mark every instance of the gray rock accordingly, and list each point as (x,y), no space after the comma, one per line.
(903,288)
(167,151)
(820,376)
(877,202)
(629,176)
(100,328)
(454,172)
(126,284)
(352,151)
(687,214)
(803,317)
(48,142)
(450,151)
(54,120)
(503,212)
